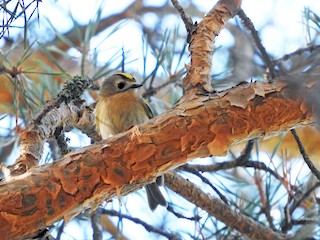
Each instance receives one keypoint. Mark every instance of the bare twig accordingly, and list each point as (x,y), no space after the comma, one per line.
(60,230)
(263,166)
(205,180)
(297,52)
(249,25)
(188,23)
(306,221)
(265,201)
(13,72)
(232,164)
(173,79)
(96,224)
(139,221)
(305,195)
(287,222)
(179,215)
(305,156)
(245,155)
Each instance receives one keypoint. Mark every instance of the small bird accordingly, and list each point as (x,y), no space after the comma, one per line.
(119,108)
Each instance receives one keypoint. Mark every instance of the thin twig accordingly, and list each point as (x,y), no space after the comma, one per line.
(245,155)
(287,222)
(96,224)
(139,221)
(265,203)
(205,180)
(297,52)
(305,221)
(152,91)
(305,195)
(13,72)
(235,163)
(179,215)
(267,210)
(186,19)
(60,231)
(305,156)
(249,25)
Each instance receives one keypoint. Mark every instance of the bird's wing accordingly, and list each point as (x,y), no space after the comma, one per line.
(147,109)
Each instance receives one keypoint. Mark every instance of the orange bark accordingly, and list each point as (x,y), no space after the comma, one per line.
(199,126)
(201,45)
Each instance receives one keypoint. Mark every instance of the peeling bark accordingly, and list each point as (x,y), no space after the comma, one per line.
(201,45)
(200,126)
(34,136)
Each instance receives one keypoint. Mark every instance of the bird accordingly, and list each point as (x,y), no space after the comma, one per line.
(119,108)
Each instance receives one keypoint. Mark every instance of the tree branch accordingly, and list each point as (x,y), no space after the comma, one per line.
(148,227)
(266,58)
(219,209)
(66,108)
(202,126)
(96,224)
(305,156)
(190,27)
(201,45)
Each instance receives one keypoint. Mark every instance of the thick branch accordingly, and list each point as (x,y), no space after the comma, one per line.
(202,126)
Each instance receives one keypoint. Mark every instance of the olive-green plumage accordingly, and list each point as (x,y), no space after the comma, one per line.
(119,108)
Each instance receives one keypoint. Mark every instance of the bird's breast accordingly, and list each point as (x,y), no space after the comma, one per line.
(119,113)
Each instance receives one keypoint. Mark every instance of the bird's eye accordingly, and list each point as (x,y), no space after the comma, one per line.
(121,85)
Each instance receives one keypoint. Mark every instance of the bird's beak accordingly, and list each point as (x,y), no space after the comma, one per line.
(135,85)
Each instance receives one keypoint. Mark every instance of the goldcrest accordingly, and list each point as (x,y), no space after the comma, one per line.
(119,108)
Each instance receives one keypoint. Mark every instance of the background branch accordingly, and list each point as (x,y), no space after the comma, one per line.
(219,209)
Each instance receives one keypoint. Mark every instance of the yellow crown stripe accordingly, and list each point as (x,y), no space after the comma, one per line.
(126,75)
